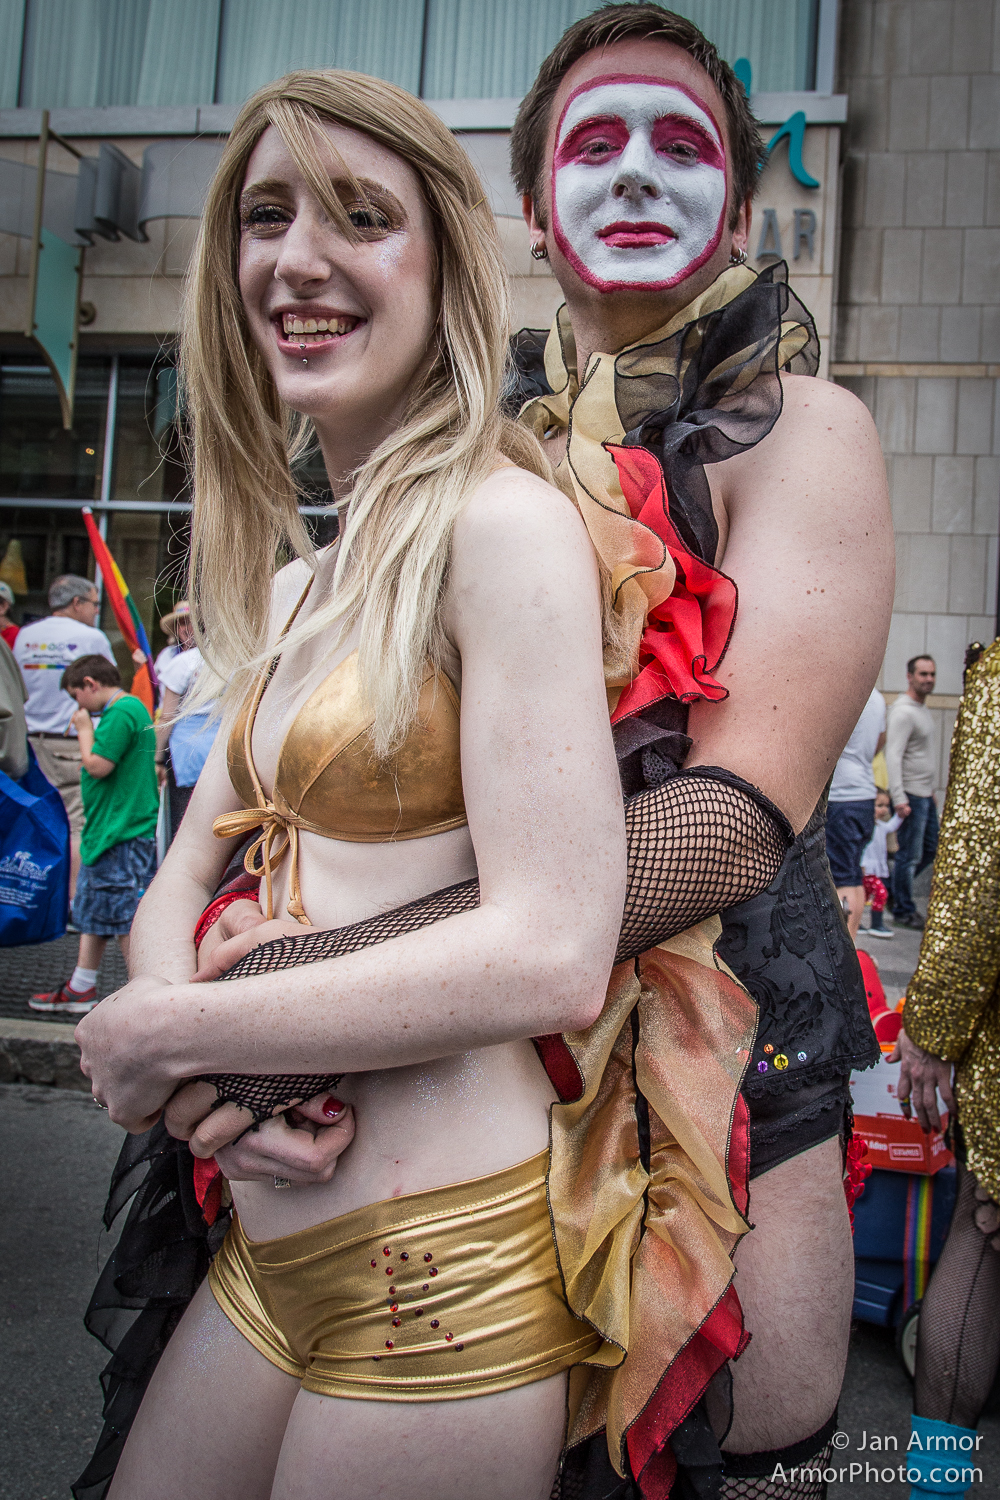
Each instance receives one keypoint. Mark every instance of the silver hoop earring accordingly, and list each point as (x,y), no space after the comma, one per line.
(539,252)
(739,259)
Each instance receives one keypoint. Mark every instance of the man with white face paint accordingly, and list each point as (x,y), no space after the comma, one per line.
(672,361)
(639,184)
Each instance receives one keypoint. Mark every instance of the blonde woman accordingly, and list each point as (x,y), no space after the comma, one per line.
(418,733)
(459,573)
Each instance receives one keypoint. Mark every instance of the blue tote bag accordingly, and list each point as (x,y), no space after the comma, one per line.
(34,860)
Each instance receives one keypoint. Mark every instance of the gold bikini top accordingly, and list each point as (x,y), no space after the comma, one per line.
(328,782)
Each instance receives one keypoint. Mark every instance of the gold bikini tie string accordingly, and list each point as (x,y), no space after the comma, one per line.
(265,815)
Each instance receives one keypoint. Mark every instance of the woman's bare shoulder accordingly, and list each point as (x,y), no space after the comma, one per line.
(518,537)
(287,586)
(514,504)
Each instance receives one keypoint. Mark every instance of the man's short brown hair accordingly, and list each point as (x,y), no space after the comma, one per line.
(96,667)
(911,665)
(618,23)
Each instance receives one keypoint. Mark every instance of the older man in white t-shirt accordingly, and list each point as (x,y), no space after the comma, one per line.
(43,651)
(850,813)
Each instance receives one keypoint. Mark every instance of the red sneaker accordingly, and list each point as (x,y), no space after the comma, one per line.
(68,1002)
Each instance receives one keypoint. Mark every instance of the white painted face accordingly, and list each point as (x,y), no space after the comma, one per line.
(638,183)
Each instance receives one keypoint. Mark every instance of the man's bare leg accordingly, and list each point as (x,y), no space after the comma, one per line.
(852,898)
(795,1279)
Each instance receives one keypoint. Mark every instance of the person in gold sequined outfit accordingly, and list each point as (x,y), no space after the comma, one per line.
(952,1019)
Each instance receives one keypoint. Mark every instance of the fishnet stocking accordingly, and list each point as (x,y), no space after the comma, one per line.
(958,1343)
(762,1487)
(700,842)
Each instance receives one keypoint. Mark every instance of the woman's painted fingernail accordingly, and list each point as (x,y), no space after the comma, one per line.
(332,1107)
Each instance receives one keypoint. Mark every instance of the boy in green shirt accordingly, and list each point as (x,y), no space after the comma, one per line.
(120,803)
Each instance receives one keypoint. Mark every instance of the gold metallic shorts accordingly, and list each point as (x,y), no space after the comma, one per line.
(434,1296)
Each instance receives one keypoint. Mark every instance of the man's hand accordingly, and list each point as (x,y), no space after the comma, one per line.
(903,809)
(921,1078)
(251,929)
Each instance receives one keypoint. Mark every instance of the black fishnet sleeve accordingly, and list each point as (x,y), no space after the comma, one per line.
(700,842)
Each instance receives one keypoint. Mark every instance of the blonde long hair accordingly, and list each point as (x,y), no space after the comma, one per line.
(407,495)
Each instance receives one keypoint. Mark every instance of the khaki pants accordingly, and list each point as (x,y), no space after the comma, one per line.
(60,763)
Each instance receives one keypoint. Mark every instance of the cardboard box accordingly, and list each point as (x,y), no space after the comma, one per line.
(894,1143)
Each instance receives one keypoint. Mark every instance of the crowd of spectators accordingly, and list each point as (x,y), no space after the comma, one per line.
(62,700)
(862,816)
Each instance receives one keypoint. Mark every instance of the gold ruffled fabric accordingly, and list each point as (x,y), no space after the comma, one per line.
(641,569)
(953,1000)
(645,1245)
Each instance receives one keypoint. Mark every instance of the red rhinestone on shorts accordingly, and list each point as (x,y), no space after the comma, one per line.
(404,1255)
(449,1337)
(388,1271)
(394,1307)
(428,1257)
(432,1271)
(418,1312)
(396,1322)
(435,1323)
(388,1343)
(459,1347)
(392,1291)
(426,1286)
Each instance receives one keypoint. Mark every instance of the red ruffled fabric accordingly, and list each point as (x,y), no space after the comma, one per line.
(686,636)
(208,1182)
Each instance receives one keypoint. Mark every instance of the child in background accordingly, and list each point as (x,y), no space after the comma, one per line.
(875,864)
(120,804)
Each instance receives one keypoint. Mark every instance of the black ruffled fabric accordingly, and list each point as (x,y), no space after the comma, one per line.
(709,391)
(162,1257)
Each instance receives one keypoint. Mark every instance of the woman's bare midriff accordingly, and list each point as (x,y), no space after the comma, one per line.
(419,1127)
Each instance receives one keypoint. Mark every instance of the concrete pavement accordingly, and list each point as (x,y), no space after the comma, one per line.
(57,1151)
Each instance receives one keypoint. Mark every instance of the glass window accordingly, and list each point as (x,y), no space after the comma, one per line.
(147,467)
(483,49)
(147,464)
(38,458)
(47,542)
(11,39)
(87,52)
(261,40)
(95,52)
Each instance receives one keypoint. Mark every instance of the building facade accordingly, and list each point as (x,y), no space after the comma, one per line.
(882,193)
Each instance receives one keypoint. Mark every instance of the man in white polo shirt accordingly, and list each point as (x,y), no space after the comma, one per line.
(43,651)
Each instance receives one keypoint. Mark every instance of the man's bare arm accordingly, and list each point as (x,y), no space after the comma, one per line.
(810,549)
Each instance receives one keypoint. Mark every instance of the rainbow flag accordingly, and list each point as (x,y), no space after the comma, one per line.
(917,1238)
(124,610)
